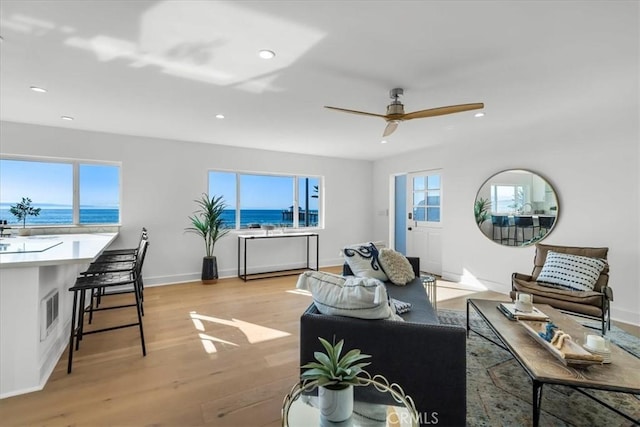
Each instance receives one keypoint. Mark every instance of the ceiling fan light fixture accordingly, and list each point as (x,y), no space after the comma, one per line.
(266,54)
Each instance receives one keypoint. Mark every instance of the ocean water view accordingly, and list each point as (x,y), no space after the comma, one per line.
(255,217)
(248,217)
(50,216)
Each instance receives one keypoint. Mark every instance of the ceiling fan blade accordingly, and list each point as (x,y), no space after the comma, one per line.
(362,113)
(392,125)
(441,111)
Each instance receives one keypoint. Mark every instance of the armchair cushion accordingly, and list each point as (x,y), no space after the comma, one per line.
(571,272)
(600,253)
(594,303)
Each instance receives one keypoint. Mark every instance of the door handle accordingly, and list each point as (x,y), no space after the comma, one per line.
(409,228)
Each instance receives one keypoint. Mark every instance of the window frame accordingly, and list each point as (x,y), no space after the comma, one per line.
(295,195)
(425,193)
(518,193)
(75,166)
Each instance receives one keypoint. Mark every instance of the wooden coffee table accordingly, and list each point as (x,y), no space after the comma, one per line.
(622,375)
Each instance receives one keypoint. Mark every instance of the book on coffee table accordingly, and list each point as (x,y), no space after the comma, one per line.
(510,310)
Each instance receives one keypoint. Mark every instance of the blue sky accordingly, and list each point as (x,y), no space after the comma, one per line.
(52,183)
(257,191)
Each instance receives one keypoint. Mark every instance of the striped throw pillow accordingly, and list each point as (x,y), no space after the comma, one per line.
(570,272)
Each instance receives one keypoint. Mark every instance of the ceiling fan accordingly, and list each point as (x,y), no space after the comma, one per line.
(395,111)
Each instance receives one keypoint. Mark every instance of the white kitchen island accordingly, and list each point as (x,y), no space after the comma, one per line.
(32,271)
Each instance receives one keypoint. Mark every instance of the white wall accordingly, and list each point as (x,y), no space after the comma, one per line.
(593,166)
(161,178)
(594,169)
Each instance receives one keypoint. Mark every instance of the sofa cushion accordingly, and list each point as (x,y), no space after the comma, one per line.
(571,272)
(363,261)
(360,297)
(396,266)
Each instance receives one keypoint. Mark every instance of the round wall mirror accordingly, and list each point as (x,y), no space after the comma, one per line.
(516,208)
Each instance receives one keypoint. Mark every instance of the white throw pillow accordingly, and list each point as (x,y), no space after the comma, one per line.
(363,261)
(571,272)
(396,266)
(360,297)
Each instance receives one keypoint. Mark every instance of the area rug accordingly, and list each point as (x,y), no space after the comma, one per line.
(499,392)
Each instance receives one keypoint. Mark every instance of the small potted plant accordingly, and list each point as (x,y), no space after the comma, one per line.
(21,211)
(335,377)
(208,223)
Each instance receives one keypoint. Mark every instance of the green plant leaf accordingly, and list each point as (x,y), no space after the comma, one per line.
(207,221)
(330,369)
(323,359)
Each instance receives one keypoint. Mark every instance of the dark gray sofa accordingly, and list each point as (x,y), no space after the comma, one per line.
(426,359)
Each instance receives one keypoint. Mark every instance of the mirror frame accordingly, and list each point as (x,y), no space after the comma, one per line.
(546,205)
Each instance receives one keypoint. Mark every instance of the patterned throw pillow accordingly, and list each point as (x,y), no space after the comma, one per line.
(396,266)
(401,306)
(570,272)
(360,297)
(363,261)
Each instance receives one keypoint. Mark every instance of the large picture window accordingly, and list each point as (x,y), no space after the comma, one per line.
(67,192)
(254,200)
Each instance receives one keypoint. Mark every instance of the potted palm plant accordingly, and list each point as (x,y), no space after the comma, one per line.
(21,211)
(207,223)
(481,210)
(335,377)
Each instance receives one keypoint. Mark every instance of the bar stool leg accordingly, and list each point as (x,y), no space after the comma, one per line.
(73,331)
(139,310)
(80,318)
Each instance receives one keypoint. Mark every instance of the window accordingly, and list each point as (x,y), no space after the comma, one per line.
(253,200)
(99,194)
(507,198)
(426,198)
(67,192)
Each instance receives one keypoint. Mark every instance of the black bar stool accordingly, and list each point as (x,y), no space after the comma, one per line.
(523,223)
(115,266)
(97,284)
(116,255)
(499,222)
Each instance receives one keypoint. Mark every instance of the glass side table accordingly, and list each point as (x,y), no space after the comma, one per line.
(301,409)
(429,283)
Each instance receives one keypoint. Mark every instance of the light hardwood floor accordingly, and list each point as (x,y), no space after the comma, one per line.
(223,355)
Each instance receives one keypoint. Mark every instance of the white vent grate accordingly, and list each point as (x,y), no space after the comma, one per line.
(49,311)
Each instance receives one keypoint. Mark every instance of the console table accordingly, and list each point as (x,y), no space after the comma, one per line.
(242,254)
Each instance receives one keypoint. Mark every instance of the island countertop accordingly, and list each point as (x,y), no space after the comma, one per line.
(36,251)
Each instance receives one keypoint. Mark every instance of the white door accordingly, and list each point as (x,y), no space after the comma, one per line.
(424,219)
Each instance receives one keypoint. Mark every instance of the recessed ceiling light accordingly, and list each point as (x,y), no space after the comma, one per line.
(266,54)
(478,114)
(219,116)
(384,141)
(69,118)
(37,89)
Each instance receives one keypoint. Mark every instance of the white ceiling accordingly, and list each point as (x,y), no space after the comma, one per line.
(166,68)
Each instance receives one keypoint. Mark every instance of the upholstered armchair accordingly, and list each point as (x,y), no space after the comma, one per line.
(589,303)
